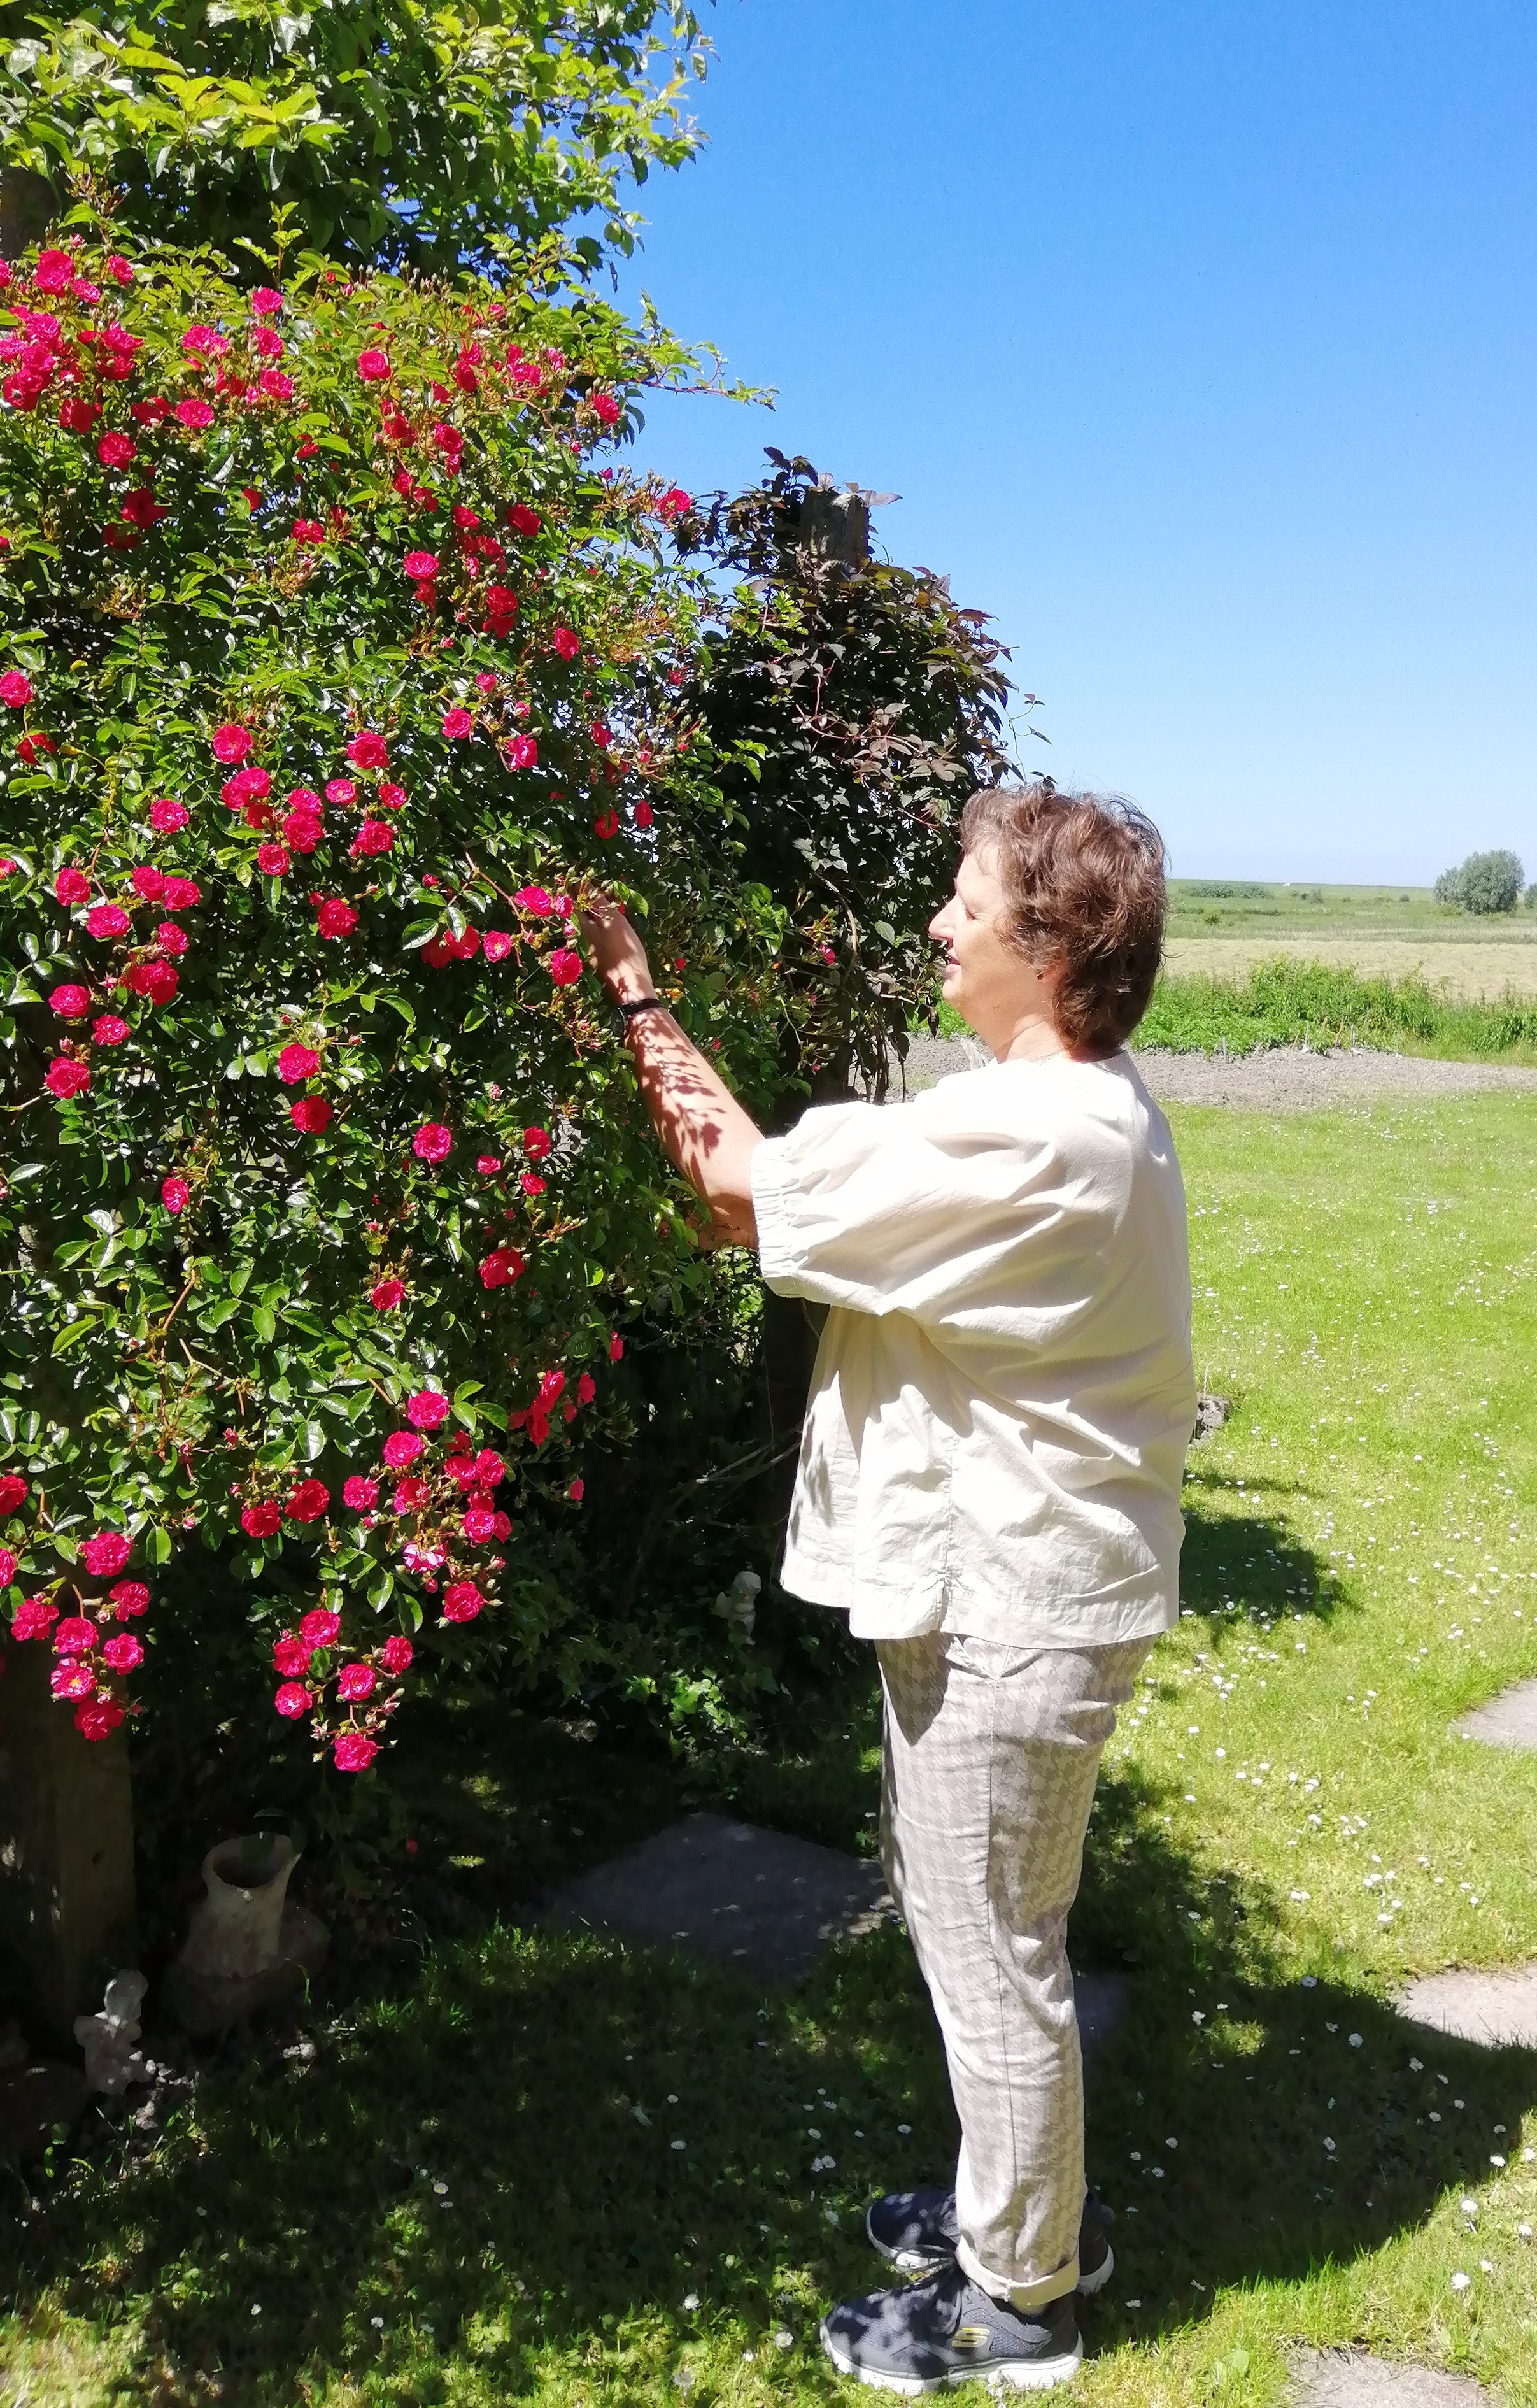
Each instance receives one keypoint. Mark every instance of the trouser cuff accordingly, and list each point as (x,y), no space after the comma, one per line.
(1029,2296)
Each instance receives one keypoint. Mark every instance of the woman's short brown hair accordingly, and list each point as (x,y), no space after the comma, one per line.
(1083,885)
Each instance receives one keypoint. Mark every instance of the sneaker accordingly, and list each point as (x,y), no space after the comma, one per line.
(944,2329)
(916,2229)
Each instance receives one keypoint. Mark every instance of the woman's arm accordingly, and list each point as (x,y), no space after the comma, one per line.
(701,1125)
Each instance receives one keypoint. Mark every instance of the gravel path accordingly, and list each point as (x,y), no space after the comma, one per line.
(1284,1079)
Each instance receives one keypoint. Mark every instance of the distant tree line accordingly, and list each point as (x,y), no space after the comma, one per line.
(1484,882)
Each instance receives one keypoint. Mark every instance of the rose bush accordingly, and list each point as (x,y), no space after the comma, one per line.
(335,671)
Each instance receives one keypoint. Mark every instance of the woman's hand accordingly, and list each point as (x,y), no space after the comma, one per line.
(616,953)
(703,1127)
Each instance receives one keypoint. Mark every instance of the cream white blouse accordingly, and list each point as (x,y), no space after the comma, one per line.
(1003,1392)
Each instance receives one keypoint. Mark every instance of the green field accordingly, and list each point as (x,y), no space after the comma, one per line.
(464,2187)
(1207,907)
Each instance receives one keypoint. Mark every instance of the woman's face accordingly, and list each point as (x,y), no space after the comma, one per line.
(986,979)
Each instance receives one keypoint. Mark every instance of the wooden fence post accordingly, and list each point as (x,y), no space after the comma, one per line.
(68,1915)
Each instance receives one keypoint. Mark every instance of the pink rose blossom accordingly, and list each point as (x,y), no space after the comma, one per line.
(422,566)
(290,1655)
(32,1617)
(72,886)
(479,1524)
(401,1447)
(147,881)
(292,1699)
(264,302)
(106,1554)
(173,938)
(373,837)
(261,1521)
(522,753)
(537,1144)
(16,689)
(13,1490)
(75,1636)
(273,861)
(605,409)
(498,944)
(123,1653)
(97,1717)
(462,1601)
(66,1079)
(458,725)
(297,1062)
(361,1495)
(522,520)
(355,1682)
(502,1266)
(231,742)
(643,815)
(577,1491)
(129,1598)
(166,815)
(181,893)
(175,1195)
(373,367)
(565,968)
(566,643)
(386,1294)
(72,1681)
(8,1567)
(431,1142)
(70,1002)
(335,918)
(488,1165)
(308,1502)
(368,750)
(353,1753)
(395,1655)
(321,1627)
(427,1409)
(108,919)
(312,1114)
(535,900)
(616,1348)
(115,451)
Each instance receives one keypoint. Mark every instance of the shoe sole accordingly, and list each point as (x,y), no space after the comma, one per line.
(1017,2374)
(918,2261)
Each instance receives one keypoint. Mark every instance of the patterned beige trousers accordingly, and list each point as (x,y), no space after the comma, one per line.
(991,1757)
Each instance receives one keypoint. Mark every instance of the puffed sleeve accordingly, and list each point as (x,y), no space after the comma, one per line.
(942,1207)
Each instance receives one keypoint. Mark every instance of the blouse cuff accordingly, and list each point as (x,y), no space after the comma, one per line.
(778,1255)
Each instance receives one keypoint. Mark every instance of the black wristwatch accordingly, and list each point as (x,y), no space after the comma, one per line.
(629,1011)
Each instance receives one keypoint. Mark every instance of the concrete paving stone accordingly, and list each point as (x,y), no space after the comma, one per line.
(1509,1720)
(1350,2378)
(1498,2009)
(745,1897)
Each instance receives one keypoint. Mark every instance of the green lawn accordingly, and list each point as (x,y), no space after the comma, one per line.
(467,2187)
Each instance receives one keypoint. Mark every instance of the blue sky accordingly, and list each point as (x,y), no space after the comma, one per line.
(1199,341)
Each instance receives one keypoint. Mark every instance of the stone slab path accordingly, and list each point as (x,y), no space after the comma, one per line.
(744,1897)
(1282,1079)
(1509,1720)
(767,1904)
(1348,2378)
(1497,2010)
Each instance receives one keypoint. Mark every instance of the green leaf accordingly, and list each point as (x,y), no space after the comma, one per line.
(74,1331)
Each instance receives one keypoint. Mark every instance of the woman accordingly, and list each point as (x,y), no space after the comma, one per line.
(989,1485)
